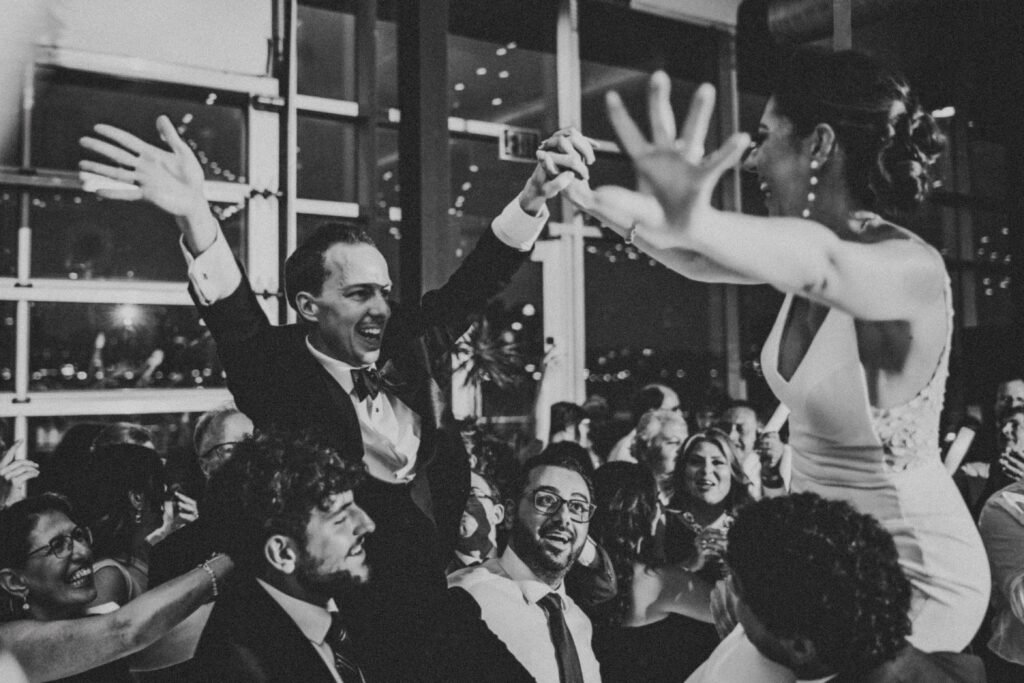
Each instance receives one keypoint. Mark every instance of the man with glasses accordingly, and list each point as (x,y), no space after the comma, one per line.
(521,595)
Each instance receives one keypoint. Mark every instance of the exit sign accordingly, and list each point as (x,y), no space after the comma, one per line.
(519,144)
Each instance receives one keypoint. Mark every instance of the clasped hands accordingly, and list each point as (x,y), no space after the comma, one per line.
(675,179)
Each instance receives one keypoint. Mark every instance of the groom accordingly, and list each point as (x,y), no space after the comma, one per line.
(365,374)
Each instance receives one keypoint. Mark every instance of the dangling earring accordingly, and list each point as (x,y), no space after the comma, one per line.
(24,602)
(138,516)
(811,196)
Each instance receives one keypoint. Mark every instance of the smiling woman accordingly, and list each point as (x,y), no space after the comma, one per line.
(46,576)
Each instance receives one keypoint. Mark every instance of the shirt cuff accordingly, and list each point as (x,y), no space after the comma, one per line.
(518,229)
(214,274)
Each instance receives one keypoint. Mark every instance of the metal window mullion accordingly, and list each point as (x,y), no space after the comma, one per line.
(289,160)
(119,66)
(731,198)
(96,292)
(323,207)
(22,324)
(571,385)
(107,402)
(262,217)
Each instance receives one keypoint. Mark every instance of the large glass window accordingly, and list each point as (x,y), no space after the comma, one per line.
(102,346)
(69,103)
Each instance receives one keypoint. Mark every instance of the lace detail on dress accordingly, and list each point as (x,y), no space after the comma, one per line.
(910,432)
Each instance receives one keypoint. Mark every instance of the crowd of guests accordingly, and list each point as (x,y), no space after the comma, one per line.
(346,530)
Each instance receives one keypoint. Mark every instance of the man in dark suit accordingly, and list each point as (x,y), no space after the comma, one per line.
(367,376)
(283,508)
(817,588)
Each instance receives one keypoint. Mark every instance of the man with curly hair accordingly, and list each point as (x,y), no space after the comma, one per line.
(818,589)
(282,508)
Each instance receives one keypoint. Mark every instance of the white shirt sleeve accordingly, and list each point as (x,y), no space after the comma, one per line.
(214,274)
(518,229)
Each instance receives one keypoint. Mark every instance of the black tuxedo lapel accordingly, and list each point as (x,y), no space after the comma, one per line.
(250,638)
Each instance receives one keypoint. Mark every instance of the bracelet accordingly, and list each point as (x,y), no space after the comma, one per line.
(629,239)
(205,566)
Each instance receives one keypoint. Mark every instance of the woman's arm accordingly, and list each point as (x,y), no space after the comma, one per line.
(57,649)
(885,280)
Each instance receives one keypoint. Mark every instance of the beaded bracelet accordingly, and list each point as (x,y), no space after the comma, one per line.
(205,566)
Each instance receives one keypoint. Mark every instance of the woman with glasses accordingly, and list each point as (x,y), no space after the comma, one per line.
(658,626)
(860,349)
(47,579)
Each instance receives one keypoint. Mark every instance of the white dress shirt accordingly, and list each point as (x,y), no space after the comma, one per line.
(390,429)
(1002,530)
(313,620)
(507,592)
(736,660)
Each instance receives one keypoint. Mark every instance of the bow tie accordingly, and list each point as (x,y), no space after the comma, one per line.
(367,382)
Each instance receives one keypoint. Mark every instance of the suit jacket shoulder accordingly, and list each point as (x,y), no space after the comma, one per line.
(250,638)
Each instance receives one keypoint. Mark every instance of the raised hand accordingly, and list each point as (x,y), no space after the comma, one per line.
(562,159)
(170,179)
(15,474)
(674,172)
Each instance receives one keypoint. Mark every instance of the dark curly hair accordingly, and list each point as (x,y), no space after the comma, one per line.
(101,493)
(270,485)
(19,520)
(818,569)
(626,496)
(304,270)
(547,458)
(889,142)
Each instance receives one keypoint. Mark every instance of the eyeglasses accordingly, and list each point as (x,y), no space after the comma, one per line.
(549,503)
(482,496)
(61,545)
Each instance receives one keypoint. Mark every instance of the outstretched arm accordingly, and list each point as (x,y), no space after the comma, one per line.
(886,280)
(56,649)
(170,179)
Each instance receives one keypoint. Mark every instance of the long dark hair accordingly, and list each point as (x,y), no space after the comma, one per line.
(889,142)
(627,505)
(102,492)
(738,494)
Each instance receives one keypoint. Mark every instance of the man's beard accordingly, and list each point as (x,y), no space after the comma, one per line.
(543,564)
(329,585)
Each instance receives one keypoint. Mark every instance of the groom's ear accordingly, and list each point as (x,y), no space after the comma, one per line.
(307,307)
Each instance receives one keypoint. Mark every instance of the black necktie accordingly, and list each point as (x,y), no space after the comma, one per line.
(569,670)
(344,658)
(367,382)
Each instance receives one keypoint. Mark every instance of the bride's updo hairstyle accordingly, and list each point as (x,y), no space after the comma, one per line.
(889,143)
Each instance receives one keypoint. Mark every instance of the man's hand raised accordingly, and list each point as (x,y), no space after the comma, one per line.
(169,179)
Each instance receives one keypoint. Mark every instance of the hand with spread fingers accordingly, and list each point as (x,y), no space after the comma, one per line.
(562,159)
(170,179)
(672,171)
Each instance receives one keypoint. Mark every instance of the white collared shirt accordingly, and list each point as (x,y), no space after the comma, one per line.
(507,592)
(391,429)
(736,660)
(1002,529)
(391,438)
(313,620)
